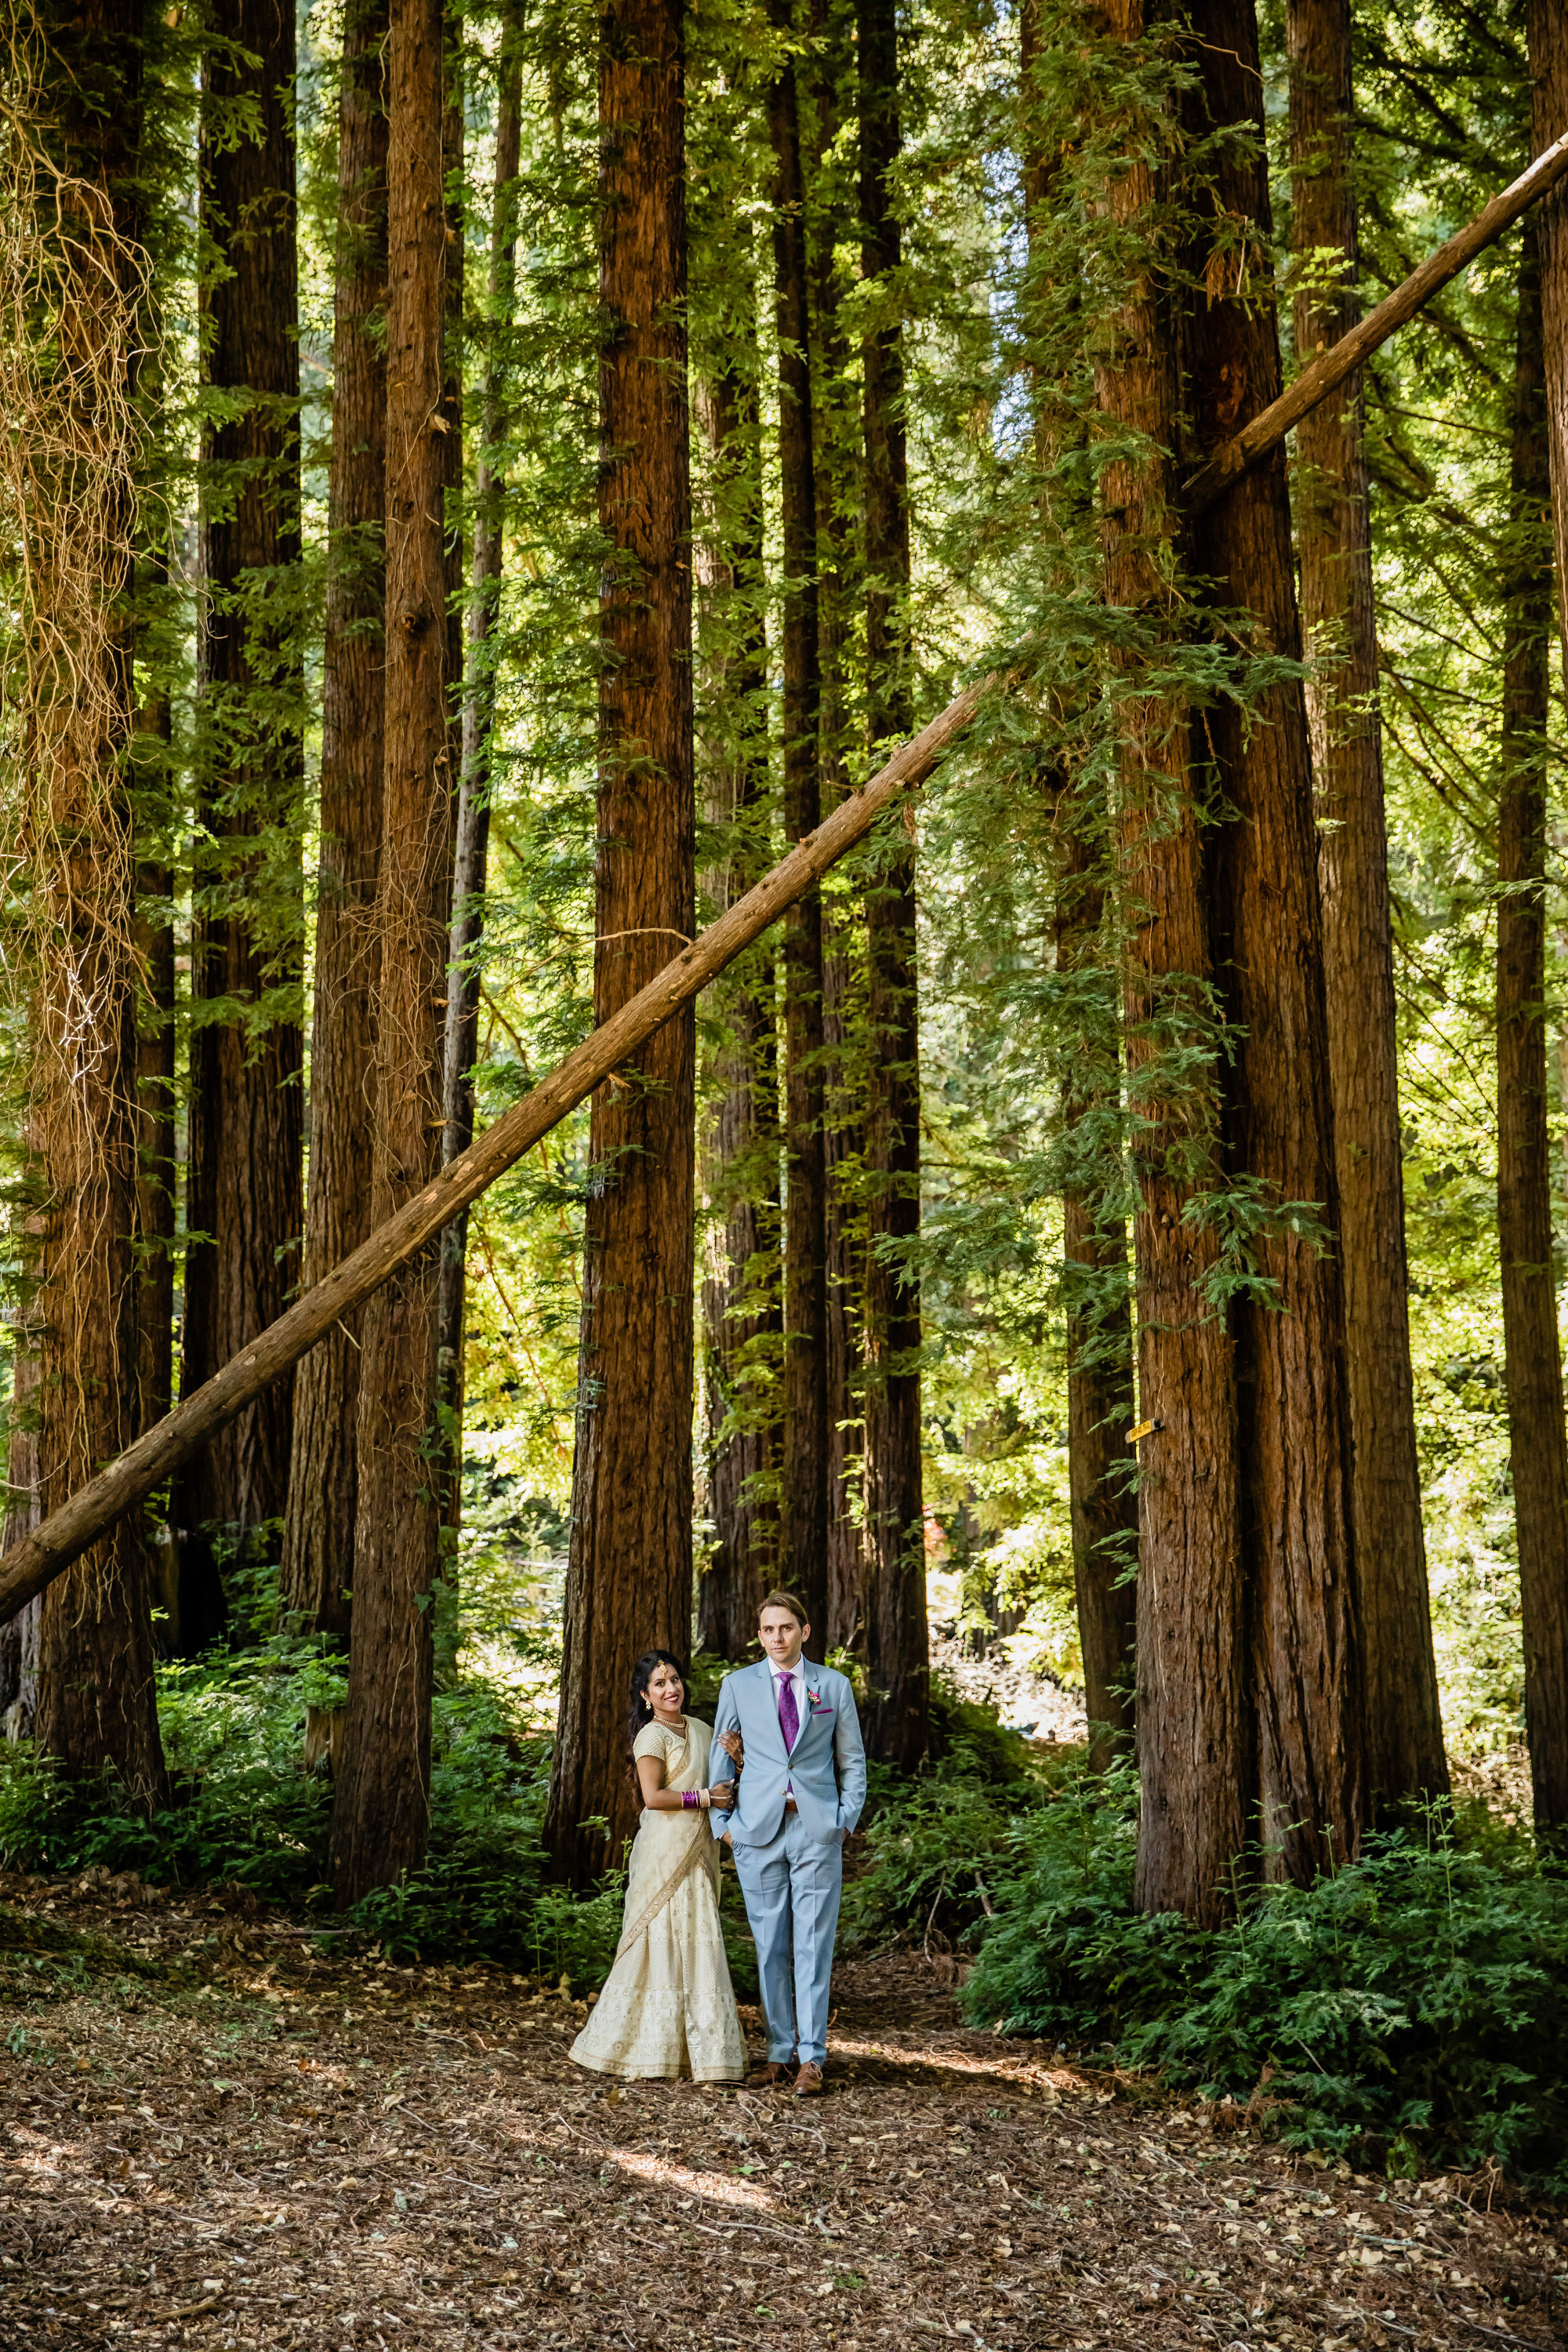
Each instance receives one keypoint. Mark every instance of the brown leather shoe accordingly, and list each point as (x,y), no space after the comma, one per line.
(808,2083)
(771,2077)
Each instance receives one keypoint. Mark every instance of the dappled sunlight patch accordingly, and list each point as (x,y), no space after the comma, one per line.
(660,2174)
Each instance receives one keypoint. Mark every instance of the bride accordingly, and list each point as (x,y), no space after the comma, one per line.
(666,2008)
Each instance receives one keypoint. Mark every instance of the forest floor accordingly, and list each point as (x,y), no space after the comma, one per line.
(214,2133)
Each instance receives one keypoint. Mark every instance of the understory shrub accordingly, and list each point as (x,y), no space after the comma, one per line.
(1411,2009)
(242,1811)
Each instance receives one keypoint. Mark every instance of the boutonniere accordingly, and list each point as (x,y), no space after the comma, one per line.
(818,1704)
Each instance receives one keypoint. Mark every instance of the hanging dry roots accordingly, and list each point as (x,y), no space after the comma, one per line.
(73,313)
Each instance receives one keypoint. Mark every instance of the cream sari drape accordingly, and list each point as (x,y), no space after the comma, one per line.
(666,2008)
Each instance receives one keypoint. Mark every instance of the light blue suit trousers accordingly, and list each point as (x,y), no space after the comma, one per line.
(790,1863)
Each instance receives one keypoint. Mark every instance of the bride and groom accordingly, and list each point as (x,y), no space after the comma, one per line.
(787,1786)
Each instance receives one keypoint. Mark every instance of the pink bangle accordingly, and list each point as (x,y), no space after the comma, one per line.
(690,1796)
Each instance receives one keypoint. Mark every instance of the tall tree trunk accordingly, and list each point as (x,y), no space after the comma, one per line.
(1268,950)
(19,1635)
(843,1109)
(1405,1754)
(835,455)
(156,1073)
(1548,33)
(1192,1741)
(897,1651)
(804,1527)
(95,1703)
(477,779)
(246,1107)
(1101,1397)
(381,1816)
(632,1476)
(740,1159)
(1102,1492)
(1537,1440)
(323,1482)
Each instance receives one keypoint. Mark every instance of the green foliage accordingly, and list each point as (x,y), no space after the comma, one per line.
(1412,2009)
(939,1839)
(243,1811)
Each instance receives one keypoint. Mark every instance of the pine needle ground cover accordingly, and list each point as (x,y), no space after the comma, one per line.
(219,2132)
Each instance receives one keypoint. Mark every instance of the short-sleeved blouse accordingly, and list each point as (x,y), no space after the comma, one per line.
(683,1753)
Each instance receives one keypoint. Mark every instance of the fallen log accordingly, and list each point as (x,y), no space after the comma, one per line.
(131,1477)
(1331,368)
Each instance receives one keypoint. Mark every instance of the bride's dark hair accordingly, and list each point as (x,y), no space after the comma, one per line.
(642,1712)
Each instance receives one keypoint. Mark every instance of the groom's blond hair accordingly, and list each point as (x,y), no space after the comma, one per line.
(781,1600)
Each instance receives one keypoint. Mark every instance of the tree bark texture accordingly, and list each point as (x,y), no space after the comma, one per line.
(20,1637)
(1548,35)
(323,1482)
(93,1657)
(629,1576)
(1405,1754)
(805,1467)
(1268,945)
(898,1653)
(471,854)
(837,454)
(1538,1440)
(1101,1404)
(243,1206)
(1102,1395)
(156,1171)
(843,1108)
(380,1814)
(739,1163)
(1192,1697)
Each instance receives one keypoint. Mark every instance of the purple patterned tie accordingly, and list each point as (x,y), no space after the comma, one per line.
(789,1716)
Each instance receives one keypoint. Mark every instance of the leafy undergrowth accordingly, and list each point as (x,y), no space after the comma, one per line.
(1410,2012)
(242,1812)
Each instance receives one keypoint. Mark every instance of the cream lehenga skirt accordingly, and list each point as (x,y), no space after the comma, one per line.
(666,2008)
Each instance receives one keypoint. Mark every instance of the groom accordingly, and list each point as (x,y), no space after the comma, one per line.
(800,1796)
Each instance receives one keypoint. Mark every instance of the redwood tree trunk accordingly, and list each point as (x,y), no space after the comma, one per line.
(323,1482)
(1538,1443)
(1101,1404)
(806,1464)
(380,1819)
(629,1578)
(93,1659)
(898,1650)
(1101,1400)
(245,1109)
(471,854)
(1193,1744)
(1549,109)
(1405,1754)
(1268,950)
(739,1158)
(836,438)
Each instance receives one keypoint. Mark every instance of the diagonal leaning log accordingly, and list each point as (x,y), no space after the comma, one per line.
(1331,368)
(131,1477)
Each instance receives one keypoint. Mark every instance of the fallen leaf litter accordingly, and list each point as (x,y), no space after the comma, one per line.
(215,2133)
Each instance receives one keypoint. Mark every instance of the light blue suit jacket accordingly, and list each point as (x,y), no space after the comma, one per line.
(827,1767)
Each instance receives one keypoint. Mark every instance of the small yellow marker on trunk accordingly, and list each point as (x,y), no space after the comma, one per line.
(1144,1429)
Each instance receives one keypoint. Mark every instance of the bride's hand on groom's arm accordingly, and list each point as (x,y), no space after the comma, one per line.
(721,1796)
(734,1748)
